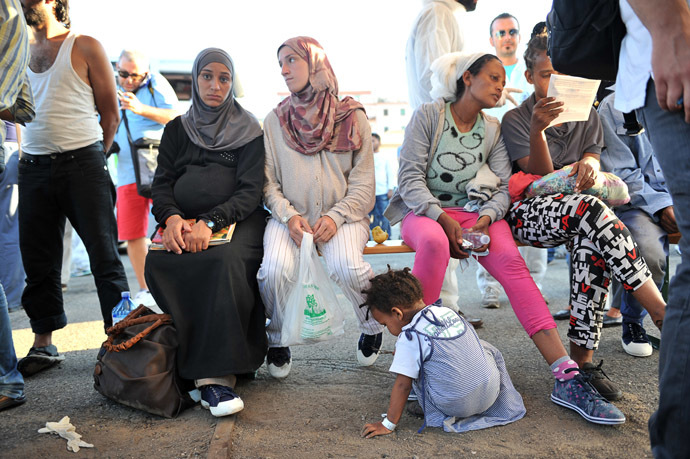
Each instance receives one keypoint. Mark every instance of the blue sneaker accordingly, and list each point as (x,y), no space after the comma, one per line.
(578,394)
(221,400)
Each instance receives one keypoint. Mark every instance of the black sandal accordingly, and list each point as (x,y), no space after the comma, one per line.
(39,359)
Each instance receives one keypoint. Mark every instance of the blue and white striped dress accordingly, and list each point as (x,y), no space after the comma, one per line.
(460,380)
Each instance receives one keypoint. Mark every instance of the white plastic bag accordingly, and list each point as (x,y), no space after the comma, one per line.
(312,312)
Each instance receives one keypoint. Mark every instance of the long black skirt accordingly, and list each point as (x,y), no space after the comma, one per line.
(213,297)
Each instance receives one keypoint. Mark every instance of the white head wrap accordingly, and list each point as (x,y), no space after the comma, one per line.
(447,70)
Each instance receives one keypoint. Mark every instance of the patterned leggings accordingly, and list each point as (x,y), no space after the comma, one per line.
(600,245)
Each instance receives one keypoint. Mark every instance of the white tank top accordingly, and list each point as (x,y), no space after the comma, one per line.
(66,116)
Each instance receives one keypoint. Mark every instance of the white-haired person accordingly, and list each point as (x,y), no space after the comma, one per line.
(452,149)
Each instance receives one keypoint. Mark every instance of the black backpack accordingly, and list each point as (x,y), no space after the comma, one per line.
(584,37)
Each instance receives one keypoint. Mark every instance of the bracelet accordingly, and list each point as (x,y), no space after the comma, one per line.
(388,425)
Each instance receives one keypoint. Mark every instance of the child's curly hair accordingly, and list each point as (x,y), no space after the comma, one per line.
(536,45)
(395,288)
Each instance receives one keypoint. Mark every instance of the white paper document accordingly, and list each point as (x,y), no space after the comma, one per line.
(577,95)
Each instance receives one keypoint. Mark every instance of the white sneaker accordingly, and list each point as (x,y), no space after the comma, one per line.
(220,400)
(490,298)
(635,341)
(368,348)
(144,297)
(279,362)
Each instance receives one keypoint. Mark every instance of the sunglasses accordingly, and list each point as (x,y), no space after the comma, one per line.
(134,76)
(502,33)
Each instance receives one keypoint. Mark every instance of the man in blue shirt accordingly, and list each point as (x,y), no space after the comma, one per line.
(148,102)
(649,215)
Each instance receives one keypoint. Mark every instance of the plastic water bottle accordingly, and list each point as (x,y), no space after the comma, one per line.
(476,238)
(124,307)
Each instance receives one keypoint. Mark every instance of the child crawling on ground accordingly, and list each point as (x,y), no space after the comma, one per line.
(461,381)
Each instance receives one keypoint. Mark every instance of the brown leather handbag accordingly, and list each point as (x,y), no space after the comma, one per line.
(136,365)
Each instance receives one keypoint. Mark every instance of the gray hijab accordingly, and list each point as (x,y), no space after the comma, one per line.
(221,128)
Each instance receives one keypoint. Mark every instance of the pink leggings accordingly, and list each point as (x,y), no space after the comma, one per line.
(504,262)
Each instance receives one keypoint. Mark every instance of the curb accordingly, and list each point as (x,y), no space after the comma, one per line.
(221,442)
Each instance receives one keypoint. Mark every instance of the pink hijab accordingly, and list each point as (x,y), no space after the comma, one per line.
(314,119)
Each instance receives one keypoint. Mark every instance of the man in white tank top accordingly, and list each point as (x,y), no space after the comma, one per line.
(63,173)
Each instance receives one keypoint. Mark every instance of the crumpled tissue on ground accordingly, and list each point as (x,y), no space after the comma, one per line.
(67,431)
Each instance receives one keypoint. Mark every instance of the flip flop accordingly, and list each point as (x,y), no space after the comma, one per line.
(38,359)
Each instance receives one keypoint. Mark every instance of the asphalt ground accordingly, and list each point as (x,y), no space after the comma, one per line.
(319,410)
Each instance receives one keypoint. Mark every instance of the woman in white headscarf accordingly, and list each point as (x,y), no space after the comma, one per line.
(210,175)
(454,172)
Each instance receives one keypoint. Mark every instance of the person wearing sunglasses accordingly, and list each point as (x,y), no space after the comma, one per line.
(147,103)
(133,74)
(505,38)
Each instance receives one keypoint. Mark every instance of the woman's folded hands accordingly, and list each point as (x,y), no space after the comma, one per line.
(180,235)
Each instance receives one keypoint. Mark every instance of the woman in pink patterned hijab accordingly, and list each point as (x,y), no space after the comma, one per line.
(312,117)
(319,182)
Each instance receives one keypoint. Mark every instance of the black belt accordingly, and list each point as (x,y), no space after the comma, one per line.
(64,156)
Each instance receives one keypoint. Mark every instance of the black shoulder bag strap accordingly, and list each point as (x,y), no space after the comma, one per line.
(153,95)
(124,115)
(132,150)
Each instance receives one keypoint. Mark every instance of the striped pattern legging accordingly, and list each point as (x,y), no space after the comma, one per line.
(600,246)
(345,264)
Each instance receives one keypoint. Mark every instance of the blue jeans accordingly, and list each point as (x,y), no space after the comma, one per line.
(652,240)
(11,380)
(11,269)
(670,137)
(377,213)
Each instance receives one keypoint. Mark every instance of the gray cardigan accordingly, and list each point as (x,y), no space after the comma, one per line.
(422,136)
(338,185)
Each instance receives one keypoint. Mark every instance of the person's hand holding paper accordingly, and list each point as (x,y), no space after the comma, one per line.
(577,95)
(545,111)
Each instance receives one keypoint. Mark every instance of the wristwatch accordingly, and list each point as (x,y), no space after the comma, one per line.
(209,223)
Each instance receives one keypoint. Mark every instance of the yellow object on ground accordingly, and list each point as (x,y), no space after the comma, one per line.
(379,235)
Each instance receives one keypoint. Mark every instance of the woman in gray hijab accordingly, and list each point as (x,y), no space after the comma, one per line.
(210,177)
